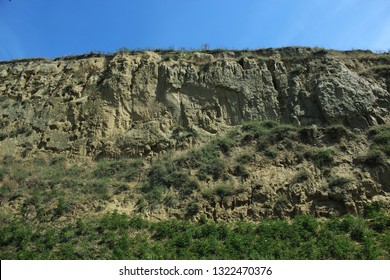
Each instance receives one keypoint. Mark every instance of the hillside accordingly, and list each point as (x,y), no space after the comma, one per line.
(218,138)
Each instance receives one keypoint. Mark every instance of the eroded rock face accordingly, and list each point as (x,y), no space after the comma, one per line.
(134,103)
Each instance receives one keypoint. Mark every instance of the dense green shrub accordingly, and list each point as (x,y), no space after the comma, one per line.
(378,219)
(192,209)
(133,169)
(118,236)
(360,231)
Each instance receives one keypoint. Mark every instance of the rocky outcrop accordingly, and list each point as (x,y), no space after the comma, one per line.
(143,103)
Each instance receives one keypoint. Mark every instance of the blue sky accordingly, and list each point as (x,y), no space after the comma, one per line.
(52,28)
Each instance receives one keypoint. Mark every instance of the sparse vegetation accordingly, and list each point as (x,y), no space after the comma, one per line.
(338,181)
(373,158)
(320,156)
(381,137)
(245,158)
(61,207)
(301,176)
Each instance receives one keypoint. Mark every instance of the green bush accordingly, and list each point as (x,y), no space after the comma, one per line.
(359,231)
(201,175)
(133,169)
(224,189)
(373,209)
(301,176)
(321,156)
(283,131)
(347,223)
(245,158)
(223,144)
(381,138)
(215,168)
(240,171)
(164,175)
(271,153)
(373,157)
(337,132)
(3,172)
(20,174)
(256,130)
(63,207)
(192,209)
(379,220)
(307,226)
(121,169)
(98,187)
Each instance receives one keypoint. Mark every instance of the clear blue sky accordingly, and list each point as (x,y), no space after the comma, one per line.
(52,28)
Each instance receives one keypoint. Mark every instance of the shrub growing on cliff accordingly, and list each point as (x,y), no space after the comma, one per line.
(208,160)
(223,144)
(245,158)
(373,157)
(240,171)
(3,172)
(163,175)
(122,169)
(320,156)
(336,132)
(301,176)
(381,138)
(192,209)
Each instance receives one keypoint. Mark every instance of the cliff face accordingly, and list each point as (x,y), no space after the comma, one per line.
(139,103)
(133,106)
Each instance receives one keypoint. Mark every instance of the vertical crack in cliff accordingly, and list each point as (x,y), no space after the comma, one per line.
(133,96)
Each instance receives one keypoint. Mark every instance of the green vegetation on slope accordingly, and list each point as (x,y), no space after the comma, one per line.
(117,236)
(54,207)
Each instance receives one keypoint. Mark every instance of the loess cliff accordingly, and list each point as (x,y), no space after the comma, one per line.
(130,103)
(226,134)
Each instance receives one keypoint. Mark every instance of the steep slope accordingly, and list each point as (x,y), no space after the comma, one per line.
(213,154)
(132,103)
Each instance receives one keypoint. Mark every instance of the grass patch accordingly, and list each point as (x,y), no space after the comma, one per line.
(164,175)
(381,138)
(245,158)
(374,157)
(320,156)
